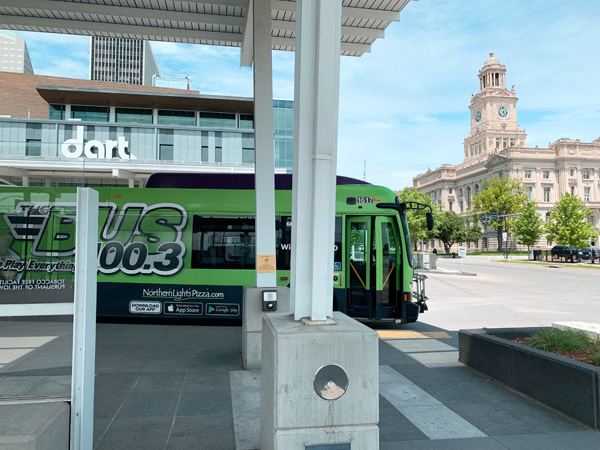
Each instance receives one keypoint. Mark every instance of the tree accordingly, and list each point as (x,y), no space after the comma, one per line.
(449,228)
(417,222)
(569,222)
(500,197)
(529,226)
(470,233)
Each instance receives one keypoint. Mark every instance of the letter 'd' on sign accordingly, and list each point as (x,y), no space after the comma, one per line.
(94,149)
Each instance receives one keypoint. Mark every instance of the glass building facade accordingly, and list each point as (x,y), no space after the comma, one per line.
(283,128)
(236,131)
(79,134)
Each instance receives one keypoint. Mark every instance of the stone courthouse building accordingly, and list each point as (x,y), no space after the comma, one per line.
(497,145)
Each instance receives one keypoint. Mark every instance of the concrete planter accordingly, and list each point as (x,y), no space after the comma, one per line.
(569,386)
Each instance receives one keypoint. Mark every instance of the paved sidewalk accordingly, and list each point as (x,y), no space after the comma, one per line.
(166,387)
(183,387)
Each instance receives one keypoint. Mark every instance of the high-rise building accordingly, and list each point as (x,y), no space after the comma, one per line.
(14,56)
(122,60)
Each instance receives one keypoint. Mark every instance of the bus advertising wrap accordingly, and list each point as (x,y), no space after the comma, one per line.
(185,246)
(142,250)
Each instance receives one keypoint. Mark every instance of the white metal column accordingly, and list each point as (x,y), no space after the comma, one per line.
(316,96)
(84,321)
(264,147)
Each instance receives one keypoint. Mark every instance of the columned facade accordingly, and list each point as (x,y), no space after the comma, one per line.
(496,145)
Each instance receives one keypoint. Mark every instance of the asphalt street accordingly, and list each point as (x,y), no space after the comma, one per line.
(510,294)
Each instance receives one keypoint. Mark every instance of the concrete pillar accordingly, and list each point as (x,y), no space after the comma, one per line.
(316,96)
(319,369)
(293,414)
(263,135)
(252,321)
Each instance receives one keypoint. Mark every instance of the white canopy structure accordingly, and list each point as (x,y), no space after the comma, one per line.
(319,31)
(211,22)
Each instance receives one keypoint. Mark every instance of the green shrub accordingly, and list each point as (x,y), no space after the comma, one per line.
(595,358)
(557,340)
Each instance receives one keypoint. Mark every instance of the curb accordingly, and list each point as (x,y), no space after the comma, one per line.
(446,272)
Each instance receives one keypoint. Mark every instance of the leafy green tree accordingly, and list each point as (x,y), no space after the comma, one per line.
(529,226)
(470,233)
(500,196)
(569,222)
(417,222)
(449,228)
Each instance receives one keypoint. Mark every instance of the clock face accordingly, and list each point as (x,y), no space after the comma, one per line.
(477,116)
(503,112)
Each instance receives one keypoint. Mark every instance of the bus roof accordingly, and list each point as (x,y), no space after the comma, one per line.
(225,181)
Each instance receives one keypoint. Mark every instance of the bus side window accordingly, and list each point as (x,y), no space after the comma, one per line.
(283,242)
(389,240)
(223,243)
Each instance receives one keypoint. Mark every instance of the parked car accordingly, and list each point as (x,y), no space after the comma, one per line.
(589,252)
(566,252)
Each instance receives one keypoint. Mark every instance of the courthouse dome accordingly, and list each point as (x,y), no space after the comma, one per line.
(491,62)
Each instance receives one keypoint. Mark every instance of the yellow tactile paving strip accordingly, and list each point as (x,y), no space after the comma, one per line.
(396,334)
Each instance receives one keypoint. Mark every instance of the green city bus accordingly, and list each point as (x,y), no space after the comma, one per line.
(183,247)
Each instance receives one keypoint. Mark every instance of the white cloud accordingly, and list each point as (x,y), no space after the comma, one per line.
(58,55)
(62,67)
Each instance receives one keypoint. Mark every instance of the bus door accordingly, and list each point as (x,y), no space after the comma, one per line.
(358,262)
(387,267)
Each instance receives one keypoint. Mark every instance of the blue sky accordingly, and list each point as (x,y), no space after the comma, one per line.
(404,106)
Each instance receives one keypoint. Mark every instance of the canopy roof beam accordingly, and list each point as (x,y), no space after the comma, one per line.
(51,9)
(286,25)
(347,11)
(120,30)
(345,46)
(212,22)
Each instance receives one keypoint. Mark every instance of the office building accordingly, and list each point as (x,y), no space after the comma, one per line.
(68,132)
(128,61)
(14,56)
(496,145)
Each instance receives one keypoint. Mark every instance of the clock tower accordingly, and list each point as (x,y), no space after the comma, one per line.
(494,124)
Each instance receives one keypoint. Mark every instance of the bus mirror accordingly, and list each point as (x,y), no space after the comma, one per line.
(430,223)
